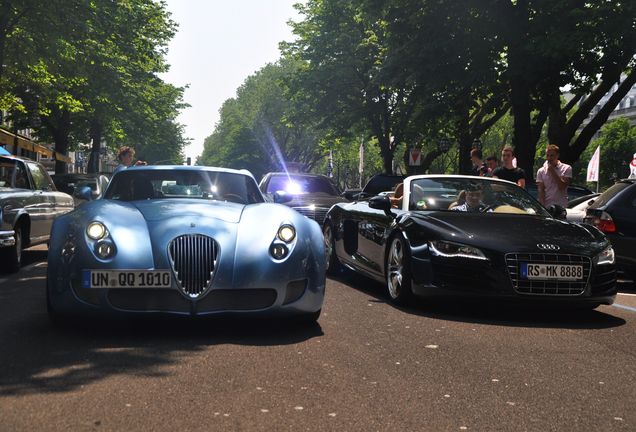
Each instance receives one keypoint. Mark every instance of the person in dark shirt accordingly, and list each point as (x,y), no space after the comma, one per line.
(508,171)
(492,163)
(479,166)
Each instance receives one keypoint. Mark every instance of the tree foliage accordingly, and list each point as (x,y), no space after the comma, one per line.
(90,71)
(617,140)
(259,130)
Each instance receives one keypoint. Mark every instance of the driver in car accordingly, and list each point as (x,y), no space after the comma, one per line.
(473,201)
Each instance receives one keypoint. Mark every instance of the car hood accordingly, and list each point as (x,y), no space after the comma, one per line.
(316,199)
(508,233)
(157,210)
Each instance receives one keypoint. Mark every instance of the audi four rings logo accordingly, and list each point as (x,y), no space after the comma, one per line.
(550,247)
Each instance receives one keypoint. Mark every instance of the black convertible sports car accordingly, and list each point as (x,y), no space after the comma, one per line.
(473,236)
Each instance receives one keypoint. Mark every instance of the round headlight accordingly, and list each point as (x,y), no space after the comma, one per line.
(104,249)
(287,233)
(279,251)
(96,230)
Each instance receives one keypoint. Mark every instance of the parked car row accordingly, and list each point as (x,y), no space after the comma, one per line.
(200,240)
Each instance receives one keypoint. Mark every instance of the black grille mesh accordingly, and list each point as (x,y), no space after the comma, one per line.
(316,213)
(547,287)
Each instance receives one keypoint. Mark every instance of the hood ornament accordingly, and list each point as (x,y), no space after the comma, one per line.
(548,247)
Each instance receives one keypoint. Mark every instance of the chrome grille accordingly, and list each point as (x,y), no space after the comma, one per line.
(193,259)
(547,287)
(316,213)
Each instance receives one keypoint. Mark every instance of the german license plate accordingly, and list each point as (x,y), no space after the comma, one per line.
(551,271)
(126,279)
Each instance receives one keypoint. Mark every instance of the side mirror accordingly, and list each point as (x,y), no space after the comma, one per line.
(557,212)
(351,195)
(281,197)
(381,202)
(84,193)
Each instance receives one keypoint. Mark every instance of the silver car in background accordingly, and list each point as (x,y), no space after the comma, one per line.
(29,202)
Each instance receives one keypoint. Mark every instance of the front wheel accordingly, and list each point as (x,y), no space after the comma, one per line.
(333,263)
(12,255)
(398,275)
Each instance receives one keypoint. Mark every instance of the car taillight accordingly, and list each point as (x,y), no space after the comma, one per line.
(605,223)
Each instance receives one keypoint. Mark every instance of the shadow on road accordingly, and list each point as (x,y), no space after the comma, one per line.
(39,358)
(503,313)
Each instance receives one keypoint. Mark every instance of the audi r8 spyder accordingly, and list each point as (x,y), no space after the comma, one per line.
(185,240)
(471,236)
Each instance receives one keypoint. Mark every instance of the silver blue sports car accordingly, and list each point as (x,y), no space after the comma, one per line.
(188,241)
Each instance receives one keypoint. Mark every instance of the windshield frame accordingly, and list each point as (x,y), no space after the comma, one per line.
(438,192)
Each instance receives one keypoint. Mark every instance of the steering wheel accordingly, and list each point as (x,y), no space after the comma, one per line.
(489,207)
(234,198)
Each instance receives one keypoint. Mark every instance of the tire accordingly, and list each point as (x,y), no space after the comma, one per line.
(333,263)
(398,274)
(12,256)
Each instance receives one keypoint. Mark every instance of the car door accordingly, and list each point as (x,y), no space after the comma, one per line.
(43,209)
(372,231)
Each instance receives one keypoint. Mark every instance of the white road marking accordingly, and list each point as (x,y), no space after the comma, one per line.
(620,306)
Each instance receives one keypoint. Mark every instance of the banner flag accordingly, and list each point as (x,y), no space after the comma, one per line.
(632,167)
(593,165)
(361,164)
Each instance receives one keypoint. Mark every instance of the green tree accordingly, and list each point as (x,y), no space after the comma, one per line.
(259,130)
(549,45)
(90,70)
(617,139)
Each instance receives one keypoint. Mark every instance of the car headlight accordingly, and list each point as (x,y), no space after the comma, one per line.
(606,256)
(287,233)
(104,249)
(96,230)
(455,250)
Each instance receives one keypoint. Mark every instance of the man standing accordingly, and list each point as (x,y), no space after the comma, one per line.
(508,171)
(492,163)
(479,166)
(553,179)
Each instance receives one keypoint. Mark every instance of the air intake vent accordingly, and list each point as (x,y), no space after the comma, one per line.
(193,260)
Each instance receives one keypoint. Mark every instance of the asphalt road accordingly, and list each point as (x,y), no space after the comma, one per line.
(366,366)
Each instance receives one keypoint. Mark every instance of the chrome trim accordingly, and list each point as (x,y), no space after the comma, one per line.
(547,287)
(548,247)
(7,238)
(193,260)
(312,212)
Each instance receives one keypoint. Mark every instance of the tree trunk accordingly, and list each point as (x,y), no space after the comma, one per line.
(96,140)
(61,132)
(465,141)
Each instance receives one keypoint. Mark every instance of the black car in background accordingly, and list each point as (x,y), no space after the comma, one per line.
(72,183)
(614,213)
(311,194)
(379,183)
(29,202)
(574,191)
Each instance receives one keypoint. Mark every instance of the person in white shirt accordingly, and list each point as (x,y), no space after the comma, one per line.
(553,179)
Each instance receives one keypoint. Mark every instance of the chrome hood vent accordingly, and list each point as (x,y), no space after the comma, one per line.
(193,260)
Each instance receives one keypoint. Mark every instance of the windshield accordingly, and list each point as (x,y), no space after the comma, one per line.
(472,194)
(301,185)
(161,184)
